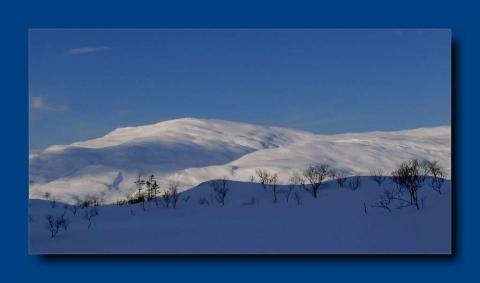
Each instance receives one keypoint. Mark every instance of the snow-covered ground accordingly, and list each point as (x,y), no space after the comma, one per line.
(249,222)
(192,151)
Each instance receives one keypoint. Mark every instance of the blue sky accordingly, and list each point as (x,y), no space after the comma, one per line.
(85,83)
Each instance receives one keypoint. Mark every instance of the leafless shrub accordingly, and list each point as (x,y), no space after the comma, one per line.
(51,226)
(438,175)
(410,176)
(263,177)
(63,222)
(378,176)
(55,224)
(294,181)
(220,190)
(315,174)
(273,183)
(268,179)
(252,179)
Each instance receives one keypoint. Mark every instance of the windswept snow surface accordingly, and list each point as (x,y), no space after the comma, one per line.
(339,221)
(192,151)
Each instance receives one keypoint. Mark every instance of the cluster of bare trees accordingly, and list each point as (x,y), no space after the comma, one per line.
(54,224)
(268,180)
(149,189)
(437,175)
(409,178)
(315,175)
(310,179)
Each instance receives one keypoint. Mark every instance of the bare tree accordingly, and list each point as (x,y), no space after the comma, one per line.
(174,194)
(263,177)
(378,176)
(252,179)
(220,190)
(273,183)
(315,174)
(294,181)
(91,212)
(55,224)
(410,176)
(62,221)
(438,176)
(354,183)
(51,226)
(268,179)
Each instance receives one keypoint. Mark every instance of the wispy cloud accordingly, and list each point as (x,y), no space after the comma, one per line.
(39,103)
(90,49)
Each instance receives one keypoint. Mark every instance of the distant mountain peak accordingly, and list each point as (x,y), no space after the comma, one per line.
(191,151)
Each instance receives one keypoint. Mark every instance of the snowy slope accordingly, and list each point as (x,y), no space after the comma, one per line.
(335,222)
(192,151)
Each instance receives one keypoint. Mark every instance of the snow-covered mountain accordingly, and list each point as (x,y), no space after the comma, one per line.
(192,151)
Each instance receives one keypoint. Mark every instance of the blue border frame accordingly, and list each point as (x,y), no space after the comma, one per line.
(18,17)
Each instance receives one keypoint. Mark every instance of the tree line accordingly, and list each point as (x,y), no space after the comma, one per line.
(408,179)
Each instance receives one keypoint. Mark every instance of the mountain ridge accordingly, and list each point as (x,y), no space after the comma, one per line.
(192,151)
